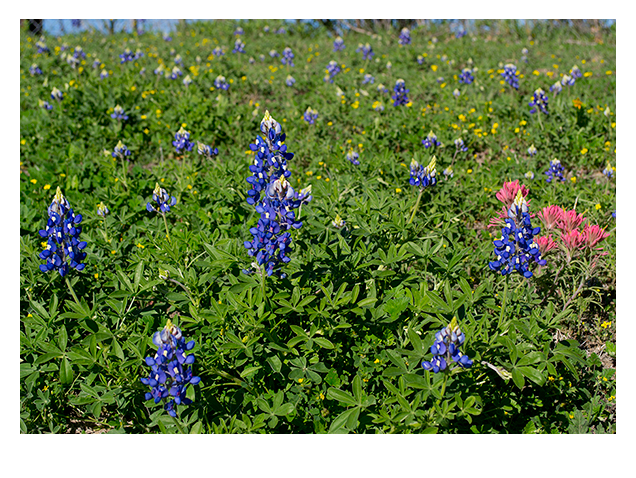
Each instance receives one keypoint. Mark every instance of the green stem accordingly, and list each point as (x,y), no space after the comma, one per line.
(417,203)
(70,287)
(503,305)
(176,422)
(166,224)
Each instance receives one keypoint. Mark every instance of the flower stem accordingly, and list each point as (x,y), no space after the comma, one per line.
(503,305)
(70,288)
(417,203)
(176,422)
(166,224)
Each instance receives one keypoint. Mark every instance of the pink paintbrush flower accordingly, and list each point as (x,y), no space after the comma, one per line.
(545,243)
(593,235)
(508,192)
(550,216)
(570,221)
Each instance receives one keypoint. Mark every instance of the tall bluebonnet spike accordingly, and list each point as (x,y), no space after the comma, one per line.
(310,115)
(207,151)
(162,199)
(367,51)
(289,81)
(171,372)
(119,114)
(220,83)
(511,75)
(288,57)
(182,141)
(539,102)
(431,141)
(274,199)
(466,76)
(239,46)
(423,176)
(516,249)
(446,348)
(332,70)
(63,248)
(400,93)
(120,151)
(405,37)
(338,44)
(555,171)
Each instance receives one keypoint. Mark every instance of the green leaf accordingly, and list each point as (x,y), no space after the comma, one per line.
(368,302)
(517,378)
(339,395)
(139,270)
(66,371)
(62,338)
(324,343)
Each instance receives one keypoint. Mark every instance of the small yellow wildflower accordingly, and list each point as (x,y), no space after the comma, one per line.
(573,179)
(398,190)
(47,187)
(469,171)
(113,252)
(584,150)
(34,181)
(597,207)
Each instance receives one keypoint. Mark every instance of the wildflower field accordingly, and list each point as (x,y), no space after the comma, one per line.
(275,227)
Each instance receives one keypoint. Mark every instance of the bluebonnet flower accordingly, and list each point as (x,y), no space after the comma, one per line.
(281,31)
(239,46)
(466,76)
(555,171)
(273,53)
(378,106)
(310,115)
(261,57)
(178,60)
(45,105)
(171,372)
(399,97)
(167,37)
(103,74)
(102,210)
(63,247)
(405,37)
(511,75)
(556,88)
(448,172)
(383,89)
(163,199)
(71,60)
(160,70)
(517,248)
(456,93)
(431,141)
(440,80)
(423,176)
(289,81)
(142,72)
(206,150)
(127,56)
(218,51)
(271,237)
(338,222)
(120,151)
(568,80)
(220,83)
(532,150)
(238,31)
(420,60)
(446,348)
(460,33)
(460,146)
(353,157)
(175,73)
(96,63)
(79,53)
(539,102)
(251,60)
(41,46)
(35,70)
(368,79)
(338,44)
(332,70)
(367,51)
(529,175)
(388,65)
(288,57)
(266,28)
(576,73)
(118,113)
(609,170)
(187,80)
(182,141)
(57,94)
